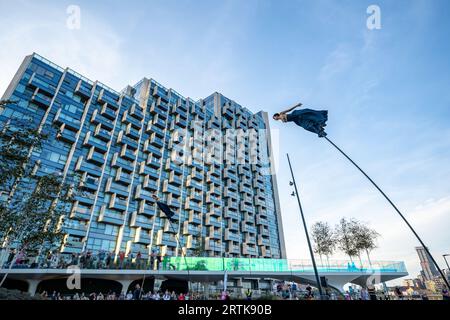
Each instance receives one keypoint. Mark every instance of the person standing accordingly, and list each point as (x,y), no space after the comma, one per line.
(137,292)
(121,259)
(138,260)
(166,296)
(248,294)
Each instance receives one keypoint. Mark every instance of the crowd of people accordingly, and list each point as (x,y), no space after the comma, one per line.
(85,260)
(136,294)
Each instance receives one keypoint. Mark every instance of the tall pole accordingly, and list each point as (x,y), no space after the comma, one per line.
(306,230)
(183,255)
(396,209)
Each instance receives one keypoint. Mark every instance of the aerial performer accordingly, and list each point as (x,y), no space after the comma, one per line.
(315,121)
(311,120)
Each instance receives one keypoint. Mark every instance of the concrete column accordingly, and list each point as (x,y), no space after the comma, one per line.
(32,286)
(125,284)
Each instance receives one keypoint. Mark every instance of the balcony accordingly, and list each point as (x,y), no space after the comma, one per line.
(170,227)
(83,90)
(215,235)
(150,184)
(263,231)
(230,175)
(213,221)
(148,148)
(89,182)
(145,170)
(170,188)
(197,175)
(230,194)
(210,179)
(250,239)
(231,204)
(191,229)
(67,136)
(234,249)
(261,221)
(41,99)
(97,118)
(80,212)
(263,241)
(227,112)
(95,157)
(233,226)
(109,217)
(102,134)
(232,215)
(142,237)
(117,203)
(158,122)
(160,92)
(66,120)
(213,199)
(40,82)
(248,250)
(157,108)
(259,202)
(90,141)
(92,169)
(165,239)
(122,177)
(173,201)
(194,218)
(106,97)
(193,184)
(127,154)
(146,209)
(215,211)
(247,199)
(133,132)
(261,212)
(195,196)
(142,194)
(75,227)
(180,122)
(153,162)
(140,221)
(107,112)
(247,228)
(122,163)
(246,208)
(157,142)
(136,112)
(211,245)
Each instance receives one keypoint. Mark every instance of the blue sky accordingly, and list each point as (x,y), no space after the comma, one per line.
(387,91)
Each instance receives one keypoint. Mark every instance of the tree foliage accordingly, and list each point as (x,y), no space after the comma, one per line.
(32,203)
(345,235)
(323,238)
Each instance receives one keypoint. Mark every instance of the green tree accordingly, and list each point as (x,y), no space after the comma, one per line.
(345,237)
(365,240)
(324,239)
(35,204)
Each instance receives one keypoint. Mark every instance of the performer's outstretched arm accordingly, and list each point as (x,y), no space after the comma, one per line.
(292,108)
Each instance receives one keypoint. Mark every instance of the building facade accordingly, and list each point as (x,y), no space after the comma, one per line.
(429,270)
(210,160)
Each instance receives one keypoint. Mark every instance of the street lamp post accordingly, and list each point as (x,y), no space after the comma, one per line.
(316,273)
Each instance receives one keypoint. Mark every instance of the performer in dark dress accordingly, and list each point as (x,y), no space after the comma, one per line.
(311,120)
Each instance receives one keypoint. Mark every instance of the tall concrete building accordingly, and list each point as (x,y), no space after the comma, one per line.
(210,160)
(429,270)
